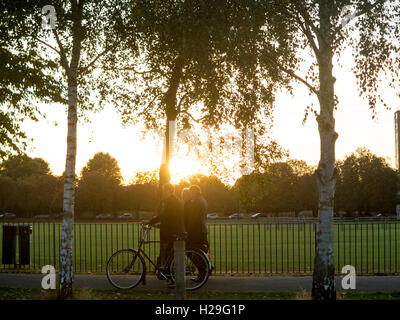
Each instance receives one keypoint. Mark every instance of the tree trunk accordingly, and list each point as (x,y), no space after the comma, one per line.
(170,101)
(66,263)
(324,269)
(170,105)
(66,266)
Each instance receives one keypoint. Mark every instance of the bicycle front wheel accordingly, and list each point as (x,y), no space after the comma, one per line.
(197,269)
(125,269)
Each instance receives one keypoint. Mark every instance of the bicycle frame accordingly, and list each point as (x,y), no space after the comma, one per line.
(195,258)
(140,251)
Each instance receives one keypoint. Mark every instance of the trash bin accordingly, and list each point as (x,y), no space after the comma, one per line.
(9,249)
(9,244)
(24,241)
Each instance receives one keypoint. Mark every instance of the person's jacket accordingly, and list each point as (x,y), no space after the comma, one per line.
(196,219)
(187,212)
(170,218)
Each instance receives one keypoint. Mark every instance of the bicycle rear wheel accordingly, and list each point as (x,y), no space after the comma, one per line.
(197,269)
(125,269)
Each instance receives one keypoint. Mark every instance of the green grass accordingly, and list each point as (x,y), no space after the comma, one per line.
(91,294)
(235,248)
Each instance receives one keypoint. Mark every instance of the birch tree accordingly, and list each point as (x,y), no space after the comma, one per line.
(322,30)
(75,36)
(191,71)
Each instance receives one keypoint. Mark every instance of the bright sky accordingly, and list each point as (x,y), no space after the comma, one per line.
(104,133)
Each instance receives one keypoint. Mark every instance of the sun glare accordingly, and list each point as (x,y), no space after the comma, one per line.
(182,168)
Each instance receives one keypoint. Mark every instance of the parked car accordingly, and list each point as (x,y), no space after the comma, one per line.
(236,216)
(258,215)
(42,216)
(125,216)
(103,216)
(8,215)
(212,216)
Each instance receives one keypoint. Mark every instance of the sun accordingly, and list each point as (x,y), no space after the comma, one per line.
(182,168)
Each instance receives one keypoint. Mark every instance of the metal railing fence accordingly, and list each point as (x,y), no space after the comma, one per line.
(236,248)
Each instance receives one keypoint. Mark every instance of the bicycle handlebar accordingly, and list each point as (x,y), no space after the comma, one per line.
(146,225)
(179,236)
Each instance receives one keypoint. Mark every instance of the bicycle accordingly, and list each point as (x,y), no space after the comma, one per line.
(126,268)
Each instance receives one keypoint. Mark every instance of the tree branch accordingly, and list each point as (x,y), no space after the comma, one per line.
(187,113)
(156,96)
(130,69)
(307,32)
(108,48)
(292,74)
(47,45)
(76,8)
(306,16)
(178,107)
(63,56)
(359,14)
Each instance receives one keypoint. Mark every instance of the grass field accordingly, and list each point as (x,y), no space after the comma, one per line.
(235,248)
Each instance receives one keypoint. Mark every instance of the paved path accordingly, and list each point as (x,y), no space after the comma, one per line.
(221,283)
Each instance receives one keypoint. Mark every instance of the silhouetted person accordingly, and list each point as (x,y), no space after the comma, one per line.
(195,214)
(186,199)
(171,222)
(197,222)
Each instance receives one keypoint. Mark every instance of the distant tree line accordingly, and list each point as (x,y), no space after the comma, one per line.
(28,188)
(366,185)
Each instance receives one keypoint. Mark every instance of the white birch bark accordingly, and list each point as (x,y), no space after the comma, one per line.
(66,260)
(171,136)
(66,263)
(324,268)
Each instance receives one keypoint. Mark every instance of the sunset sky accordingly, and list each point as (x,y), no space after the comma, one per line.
(104,132)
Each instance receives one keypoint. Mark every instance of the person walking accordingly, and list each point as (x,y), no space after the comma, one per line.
(171,223)
(187,209)
(197,225)
(195,213)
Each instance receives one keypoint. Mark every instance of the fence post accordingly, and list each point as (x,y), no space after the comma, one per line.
(54,246)
(179,265)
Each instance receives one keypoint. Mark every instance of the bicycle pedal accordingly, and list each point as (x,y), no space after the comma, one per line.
(161,276)
(197,280)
